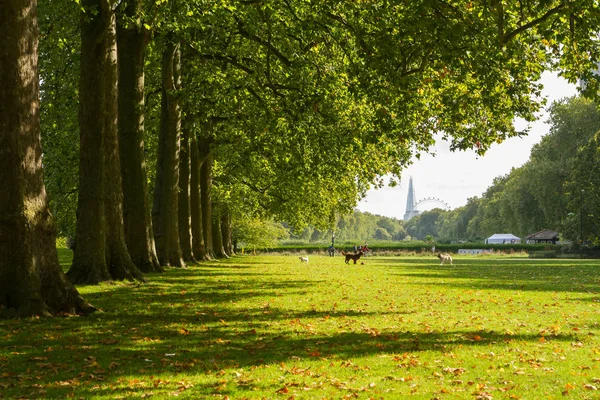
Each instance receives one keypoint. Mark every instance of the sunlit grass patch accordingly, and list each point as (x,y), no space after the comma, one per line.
(272,327)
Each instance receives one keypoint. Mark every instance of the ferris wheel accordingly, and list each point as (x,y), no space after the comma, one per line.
(438,203)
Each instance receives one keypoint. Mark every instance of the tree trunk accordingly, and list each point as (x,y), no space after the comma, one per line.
(195,202)
(206,196)
(100,250)
(31,279)
(165,207)
(227,232)
(120,264)
(132,40)
(185,228)
(217,234)
(89,258)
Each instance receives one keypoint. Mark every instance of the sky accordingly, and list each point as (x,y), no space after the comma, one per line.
(454,177)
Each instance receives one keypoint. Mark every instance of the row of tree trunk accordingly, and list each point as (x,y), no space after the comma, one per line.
(117,236)
(31,278)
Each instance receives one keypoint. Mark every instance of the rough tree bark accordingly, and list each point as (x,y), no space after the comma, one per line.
(132,39)
(226,231)
(218,248)
(31,279)
(195,202)
(206,196)
(100,250)
(185,222)
(165,207)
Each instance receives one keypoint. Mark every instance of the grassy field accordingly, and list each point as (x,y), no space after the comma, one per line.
(274,328)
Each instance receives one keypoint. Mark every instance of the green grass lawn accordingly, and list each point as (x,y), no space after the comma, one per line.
(272,327)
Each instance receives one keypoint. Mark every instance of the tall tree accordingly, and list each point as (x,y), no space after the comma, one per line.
(545,192)
(227,231)
(132,38)
(196,161)
(582,194)
(573,122)
(206,198)
(31,278)
(100,251)
(319,100)
(185,221)
(217,234)
(166,198)
(519,206)
(377,80)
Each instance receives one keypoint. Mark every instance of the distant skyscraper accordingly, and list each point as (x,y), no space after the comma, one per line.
(411,201)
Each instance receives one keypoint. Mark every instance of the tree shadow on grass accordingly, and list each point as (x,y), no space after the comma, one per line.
(93,360)
(246,259)
(186,322)
(482,261)
(202,291)
(503,274)
(97,353)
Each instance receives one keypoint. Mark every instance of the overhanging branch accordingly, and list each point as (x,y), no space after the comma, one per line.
(531,24)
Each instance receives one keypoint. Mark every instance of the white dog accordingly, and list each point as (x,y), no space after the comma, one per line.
(445,258)
(304,259)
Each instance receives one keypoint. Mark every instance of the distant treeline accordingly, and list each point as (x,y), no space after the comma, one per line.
(420,247)
(557,189)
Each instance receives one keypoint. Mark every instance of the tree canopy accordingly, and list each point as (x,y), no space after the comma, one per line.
(274,109)
(310,103)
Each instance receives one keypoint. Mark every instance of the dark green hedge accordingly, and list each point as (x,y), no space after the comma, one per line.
(420,246)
